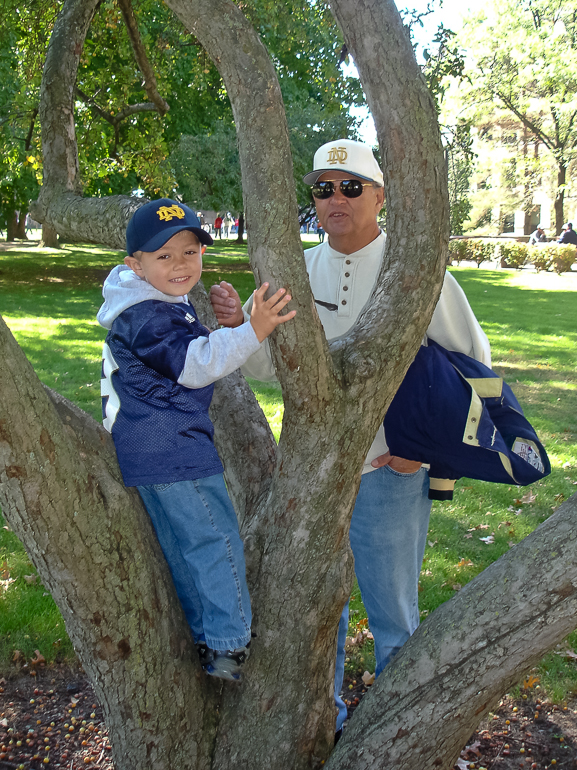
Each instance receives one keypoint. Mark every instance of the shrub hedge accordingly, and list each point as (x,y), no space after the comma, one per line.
(545,256)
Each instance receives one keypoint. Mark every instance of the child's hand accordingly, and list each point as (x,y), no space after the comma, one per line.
(264,315)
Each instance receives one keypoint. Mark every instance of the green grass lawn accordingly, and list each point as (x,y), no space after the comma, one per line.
(49,300)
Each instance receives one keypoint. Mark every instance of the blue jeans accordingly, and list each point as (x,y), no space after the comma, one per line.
(388,535)
(197,529)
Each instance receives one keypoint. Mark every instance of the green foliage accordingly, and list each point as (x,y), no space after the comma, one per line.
(513,254)
(119,154)
(444,62)
(305,44)
(481,251)
(20,70)
(474,250)
(458,250)
(547,256)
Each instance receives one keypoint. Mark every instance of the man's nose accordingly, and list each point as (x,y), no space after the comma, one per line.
(338,195)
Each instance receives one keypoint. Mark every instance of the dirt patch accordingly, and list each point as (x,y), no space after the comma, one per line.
(52,720)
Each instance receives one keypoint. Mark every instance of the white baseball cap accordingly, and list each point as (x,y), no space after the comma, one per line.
(355,158)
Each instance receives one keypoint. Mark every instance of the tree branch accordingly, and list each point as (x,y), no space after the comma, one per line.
(526,121)
(416,189)
(28,142)
(430,698)
(150,84)
(93,106)
(115,120)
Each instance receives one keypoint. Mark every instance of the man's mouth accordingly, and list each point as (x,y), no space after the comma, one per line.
(180,280)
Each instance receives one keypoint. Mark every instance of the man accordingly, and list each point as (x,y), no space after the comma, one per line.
(538,236)
(390,520)
(568,235)
(218,226)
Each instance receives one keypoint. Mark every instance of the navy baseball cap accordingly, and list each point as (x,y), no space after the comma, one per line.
(157,221)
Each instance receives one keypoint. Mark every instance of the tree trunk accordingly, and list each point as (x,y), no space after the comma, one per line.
(21,226)
(49,237)
(11,227)
(240,234)
(560,197)
(527,187)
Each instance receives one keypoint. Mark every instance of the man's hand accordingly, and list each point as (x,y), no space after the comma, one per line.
(264,315)
(226,304)
(397,463)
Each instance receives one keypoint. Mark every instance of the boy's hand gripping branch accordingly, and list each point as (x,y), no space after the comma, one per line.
(265,314)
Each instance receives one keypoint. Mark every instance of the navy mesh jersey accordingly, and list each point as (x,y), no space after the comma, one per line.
(161,430)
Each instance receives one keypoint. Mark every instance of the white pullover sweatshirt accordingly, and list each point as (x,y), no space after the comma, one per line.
(347,281)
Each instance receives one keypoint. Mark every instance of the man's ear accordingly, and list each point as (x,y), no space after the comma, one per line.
(133,264)
(202,250)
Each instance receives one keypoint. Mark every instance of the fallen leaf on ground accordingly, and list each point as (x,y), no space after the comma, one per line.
(368,679)
(37,659)
(567,654)
(530,682)
(487,540)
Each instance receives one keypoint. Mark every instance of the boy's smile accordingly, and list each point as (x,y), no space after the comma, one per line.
(174,268)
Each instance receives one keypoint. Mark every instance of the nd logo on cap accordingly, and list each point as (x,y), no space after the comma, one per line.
(337,155)
(166,213)
(356,158)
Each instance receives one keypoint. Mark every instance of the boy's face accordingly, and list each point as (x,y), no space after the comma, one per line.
(174,268)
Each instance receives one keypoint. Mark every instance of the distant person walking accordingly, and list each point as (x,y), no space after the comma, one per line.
(218,226)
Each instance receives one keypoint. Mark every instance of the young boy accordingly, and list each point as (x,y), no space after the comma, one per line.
(159,366)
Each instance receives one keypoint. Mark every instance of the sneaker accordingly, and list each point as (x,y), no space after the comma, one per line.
(227,664)
(205,654)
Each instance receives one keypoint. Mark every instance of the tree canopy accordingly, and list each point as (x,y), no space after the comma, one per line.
(146,90)
(522,56)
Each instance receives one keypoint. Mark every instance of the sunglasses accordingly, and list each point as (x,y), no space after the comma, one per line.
(350,188)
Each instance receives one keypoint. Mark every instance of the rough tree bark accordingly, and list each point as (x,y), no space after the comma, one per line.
(467,654)
(49,237)
(64,497)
